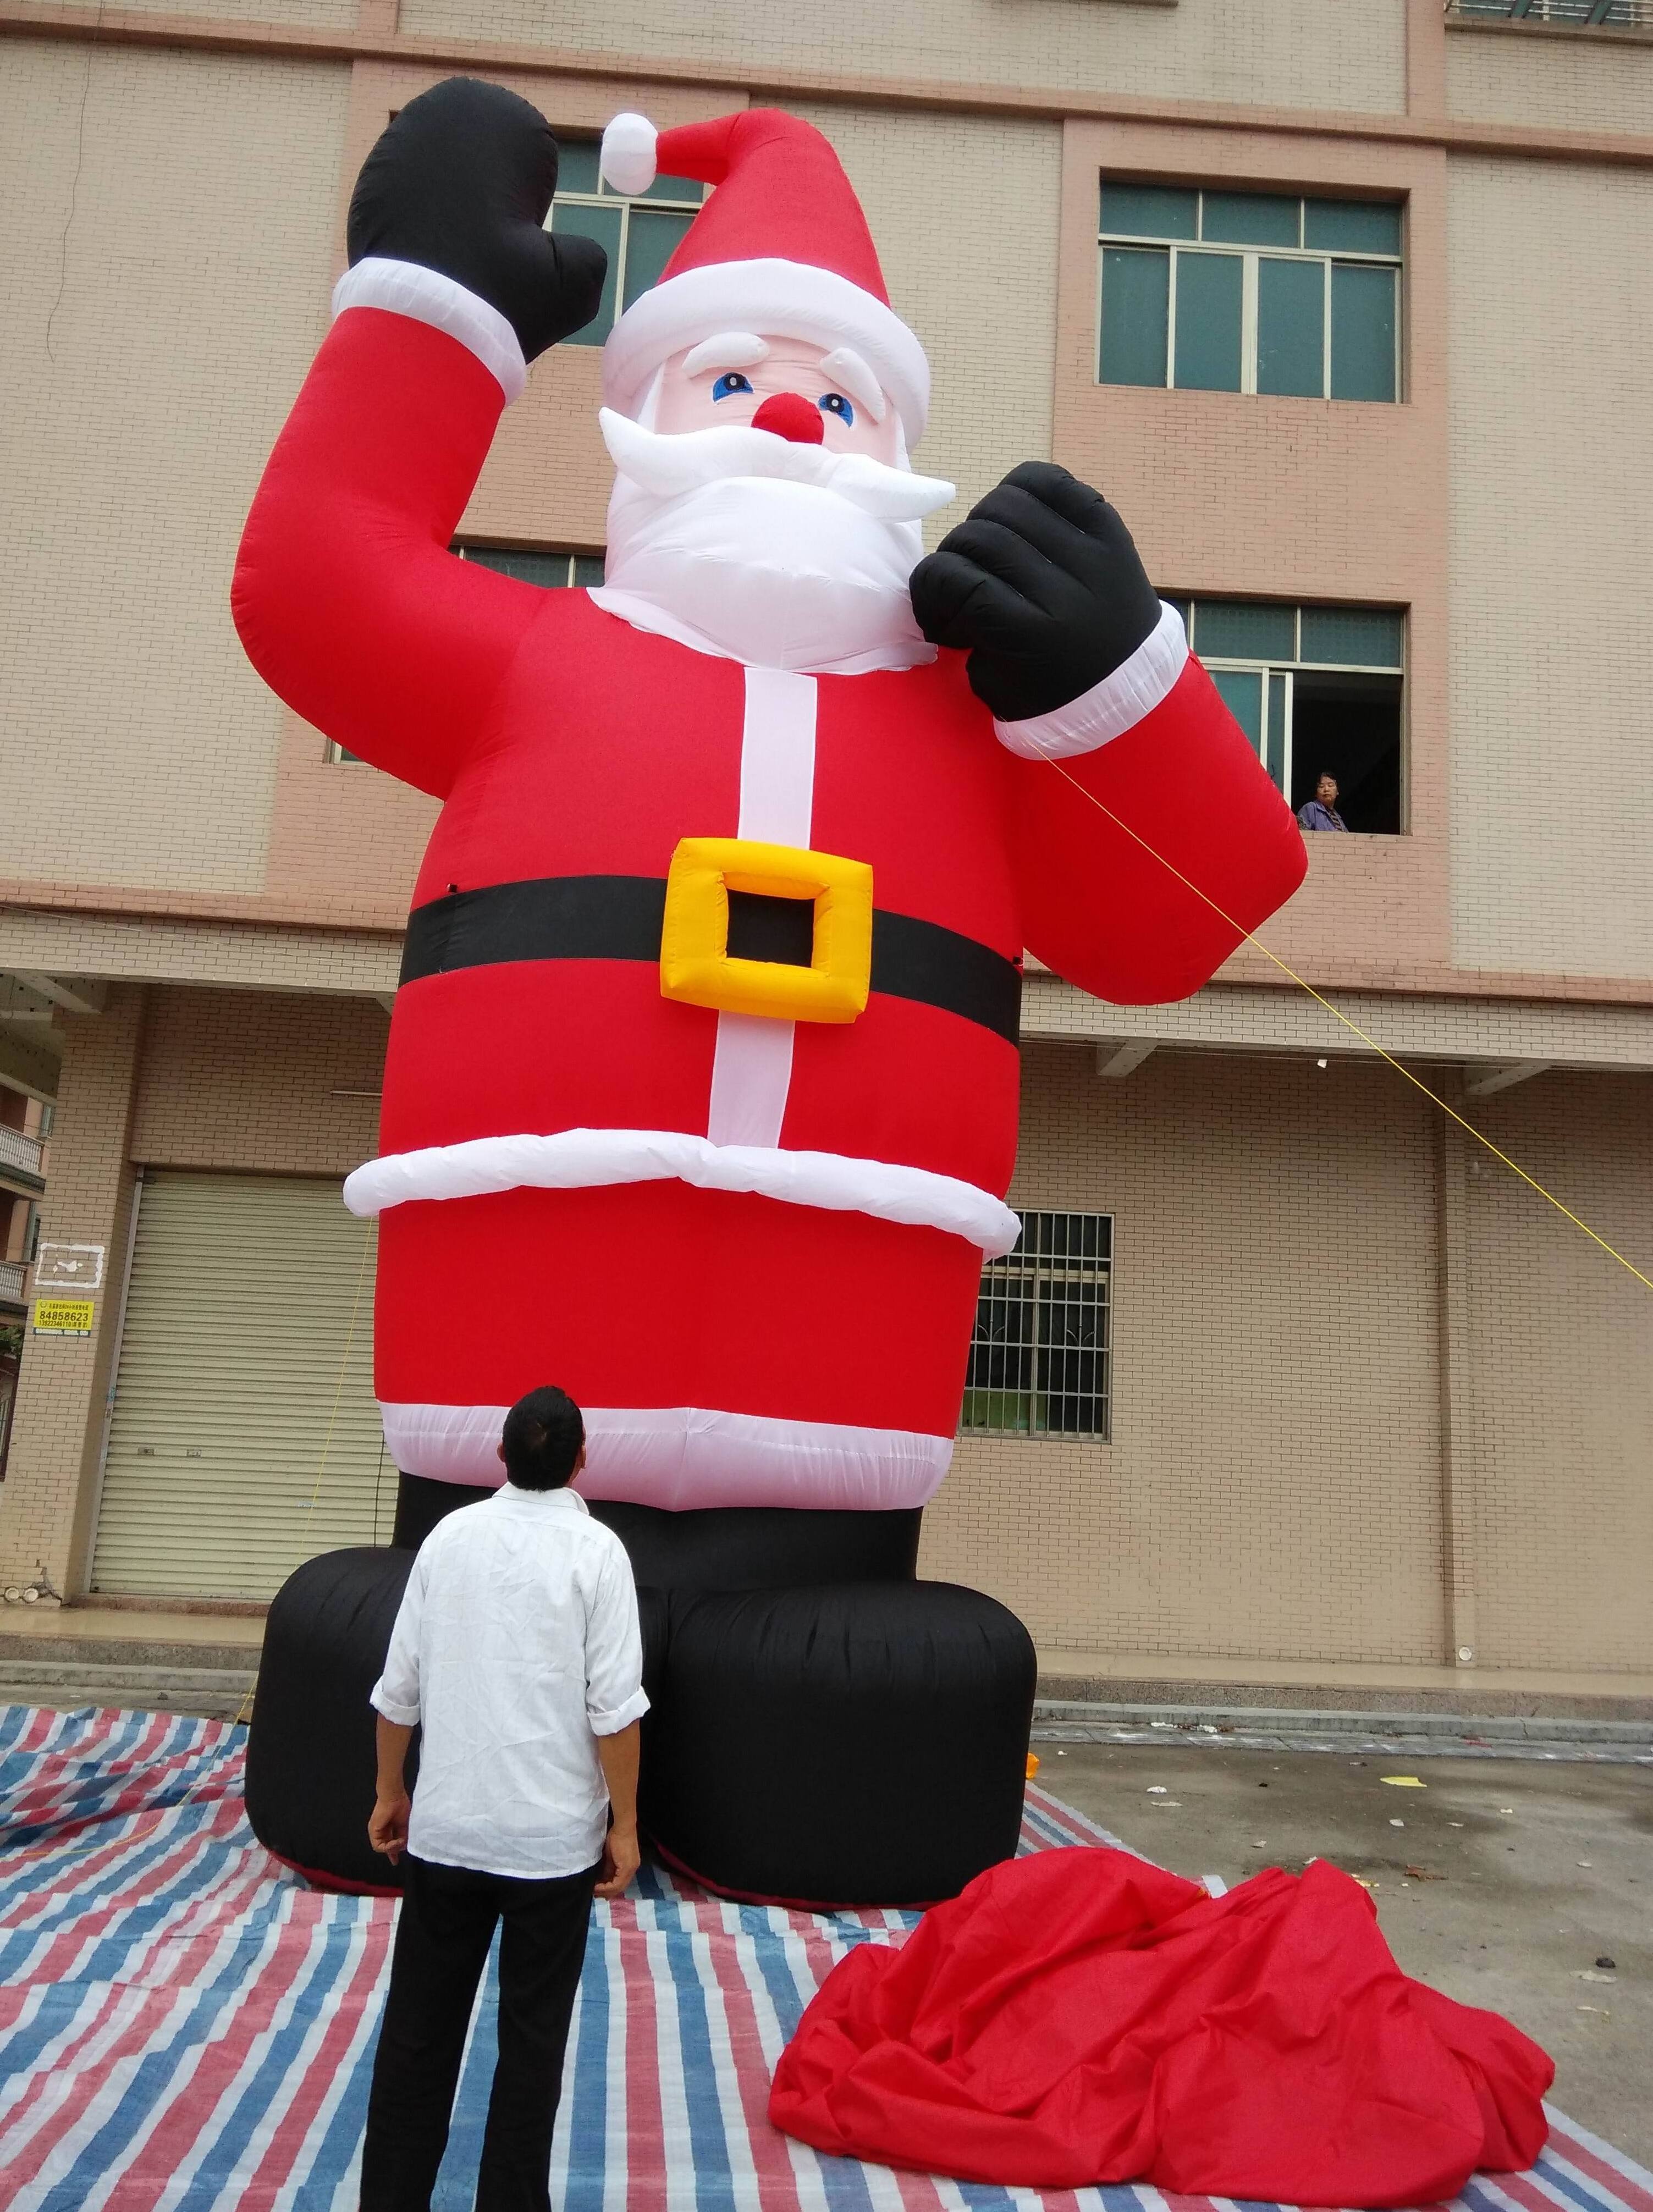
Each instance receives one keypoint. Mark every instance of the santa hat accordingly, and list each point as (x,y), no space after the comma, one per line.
(780,249)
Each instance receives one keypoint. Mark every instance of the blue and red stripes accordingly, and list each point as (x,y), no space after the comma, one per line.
(184,2026)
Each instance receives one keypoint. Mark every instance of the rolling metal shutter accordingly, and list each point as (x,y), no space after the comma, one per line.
(232,1354)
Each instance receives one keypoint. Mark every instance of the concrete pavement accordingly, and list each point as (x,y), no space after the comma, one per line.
(1506,1883)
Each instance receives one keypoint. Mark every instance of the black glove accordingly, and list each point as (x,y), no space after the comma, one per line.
(460,183)
(1041,586)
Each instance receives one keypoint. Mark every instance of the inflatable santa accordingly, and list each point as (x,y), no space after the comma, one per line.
(702,1073)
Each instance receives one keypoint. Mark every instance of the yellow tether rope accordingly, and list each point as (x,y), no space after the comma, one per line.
(1337,1012)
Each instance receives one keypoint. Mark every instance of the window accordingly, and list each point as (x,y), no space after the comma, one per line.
(1039,1356)
(1209,291)
(1570,14)
(552,571)
(639,236)
(1317,690)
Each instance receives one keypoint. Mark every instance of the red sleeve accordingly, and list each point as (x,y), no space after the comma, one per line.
(346,598)
(1102,912)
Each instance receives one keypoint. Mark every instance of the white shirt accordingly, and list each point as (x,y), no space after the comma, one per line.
(517,1645)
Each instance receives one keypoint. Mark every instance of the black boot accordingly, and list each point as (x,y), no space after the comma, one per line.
(310,1758)
(853,1743)
(824,1728)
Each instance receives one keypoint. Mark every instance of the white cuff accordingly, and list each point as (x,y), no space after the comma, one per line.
(1108,709)
(399,1716)
(611,1722)
(405,287)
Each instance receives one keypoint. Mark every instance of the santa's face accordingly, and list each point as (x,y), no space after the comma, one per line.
(763,504)
(726,379)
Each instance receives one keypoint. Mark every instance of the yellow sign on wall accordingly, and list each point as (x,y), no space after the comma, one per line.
(63,1317)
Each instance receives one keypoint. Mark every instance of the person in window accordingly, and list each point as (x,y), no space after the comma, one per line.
(517,1647)
(1320,812)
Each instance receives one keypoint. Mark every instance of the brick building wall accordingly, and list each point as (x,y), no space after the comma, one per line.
(1275,1487)
(169,216)
(1372,1405)
(1552,774)
(1271,1483)
(243,1080)
(1296,53)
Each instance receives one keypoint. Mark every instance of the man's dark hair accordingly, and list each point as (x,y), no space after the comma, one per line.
(542,1439)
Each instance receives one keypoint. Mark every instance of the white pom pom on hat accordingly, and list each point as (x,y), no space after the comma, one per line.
(627,159)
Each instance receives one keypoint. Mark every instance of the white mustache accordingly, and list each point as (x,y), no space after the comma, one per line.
(667,466)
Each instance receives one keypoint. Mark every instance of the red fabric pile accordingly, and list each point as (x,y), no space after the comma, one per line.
(1081,2017)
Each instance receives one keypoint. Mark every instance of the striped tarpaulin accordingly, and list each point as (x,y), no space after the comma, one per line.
(186,2027)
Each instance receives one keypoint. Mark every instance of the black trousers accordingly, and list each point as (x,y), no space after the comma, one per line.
(442,1937)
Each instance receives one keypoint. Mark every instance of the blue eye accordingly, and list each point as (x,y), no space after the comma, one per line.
(836,403)
(731,383)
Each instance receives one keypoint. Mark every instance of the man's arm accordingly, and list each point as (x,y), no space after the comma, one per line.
(621,1854)
(395,1698)
(615,1705)
(347,599)
(1117,730)
(387,1826)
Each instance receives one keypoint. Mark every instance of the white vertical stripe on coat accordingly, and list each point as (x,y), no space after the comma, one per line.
(751,1072)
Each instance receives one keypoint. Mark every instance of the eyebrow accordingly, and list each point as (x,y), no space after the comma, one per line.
(857,377)
(729,350)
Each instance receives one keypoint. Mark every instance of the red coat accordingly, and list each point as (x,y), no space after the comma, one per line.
(728,1341)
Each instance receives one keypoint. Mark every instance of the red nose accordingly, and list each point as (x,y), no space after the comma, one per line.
(789,415)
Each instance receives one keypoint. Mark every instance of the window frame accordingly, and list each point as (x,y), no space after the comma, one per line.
(1187,604)
(1327,258)
(1037,1265)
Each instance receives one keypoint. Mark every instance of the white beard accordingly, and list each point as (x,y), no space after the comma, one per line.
(768,569)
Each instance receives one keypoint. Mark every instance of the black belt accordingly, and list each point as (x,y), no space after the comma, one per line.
(619,918)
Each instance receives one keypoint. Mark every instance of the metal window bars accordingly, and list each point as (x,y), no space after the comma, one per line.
(1042,1351)
(1566,14)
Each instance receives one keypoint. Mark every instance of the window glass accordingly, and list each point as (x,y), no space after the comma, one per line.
(602,223)
(1148,211)
(587,569)
(1258,301)
(653,240)
(675,188)
(1352,226)
(1363,331)
(548,569)
(576,165)
(1209,288)
(1135,290)
(1241,691)
(1292,328)
(1249,219)
(1240,629)
(1352,637)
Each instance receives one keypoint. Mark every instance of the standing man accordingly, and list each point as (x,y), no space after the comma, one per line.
(1320,812)
(517,1647)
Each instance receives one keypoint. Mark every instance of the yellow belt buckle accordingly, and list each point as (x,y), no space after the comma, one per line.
(696,966)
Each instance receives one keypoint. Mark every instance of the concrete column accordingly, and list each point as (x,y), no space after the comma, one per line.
(48,1501)
(1460,1457)
(1425,59)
